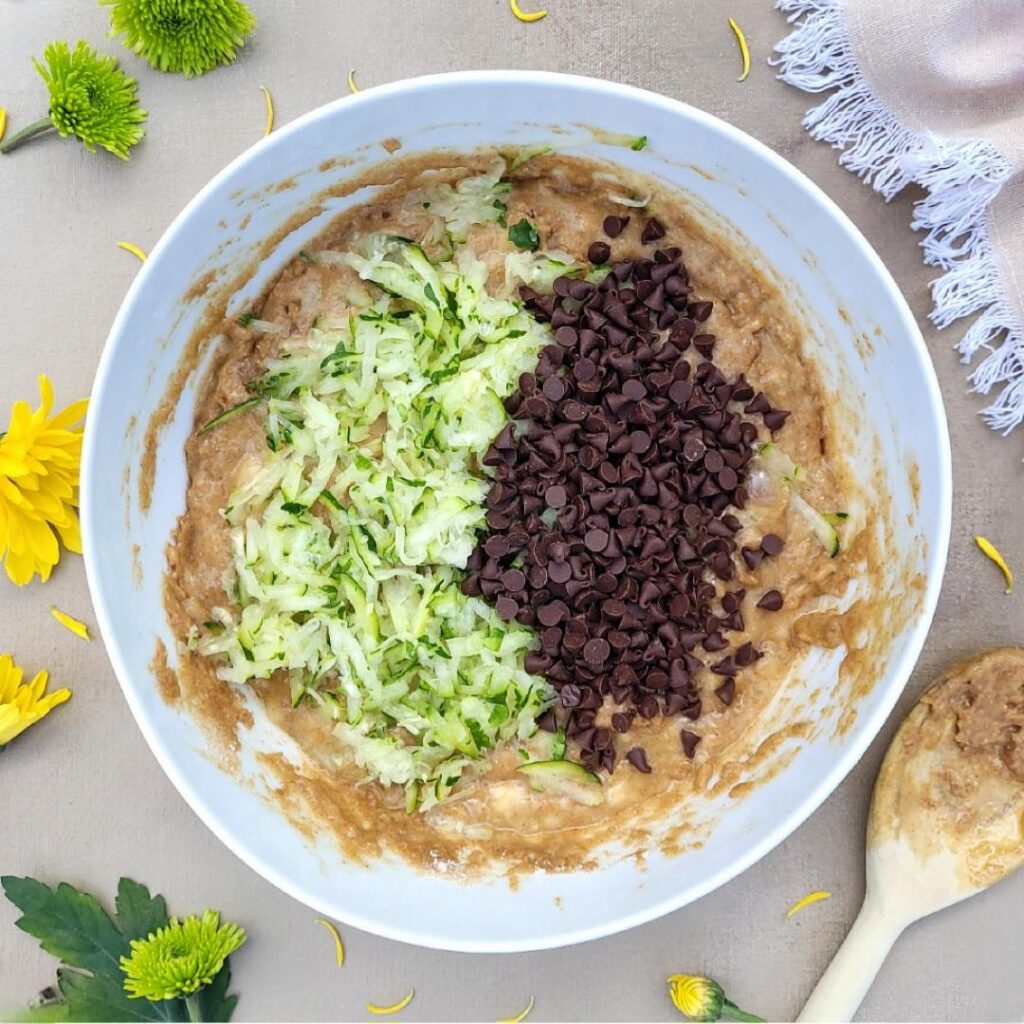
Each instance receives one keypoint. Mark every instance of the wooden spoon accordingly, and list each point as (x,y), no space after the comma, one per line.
(946,820)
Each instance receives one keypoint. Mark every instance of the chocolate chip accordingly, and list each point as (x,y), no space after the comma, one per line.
(771,601)
(600,252)
(596,540)
(548,721)
(700,311)
(513,580)
(596,652)
(637,757)
(639,441)
(634,390)
(652,231)
(775,419)
(648,706)
(746,655)
(552,613)
(554,387)
(614,226)
(567,336)
(752,557)
(496,546)
(726,692)
(771,544)
(555,496)
(559,572)
(689,741)
(622,721)
(506,608)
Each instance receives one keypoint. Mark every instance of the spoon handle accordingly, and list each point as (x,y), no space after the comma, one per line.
(847,979)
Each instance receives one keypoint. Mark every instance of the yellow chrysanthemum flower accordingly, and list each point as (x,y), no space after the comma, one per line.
(23,704)
(702,999)
(181,958)
(40,458)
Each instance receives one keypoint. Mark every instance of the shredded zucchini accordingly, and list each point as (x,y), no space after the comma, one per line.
(478,199)
(823,525)
(348,540)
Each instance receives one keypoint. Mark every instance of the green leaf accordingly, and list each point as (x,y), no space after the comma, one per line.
(138,913)
(639,143)
(98,998)
(69,924)
(214,1002)
(524,236)
(49,1012)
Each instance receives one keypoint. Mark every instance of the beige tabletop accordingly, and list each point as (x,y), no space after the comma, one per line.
(81,797)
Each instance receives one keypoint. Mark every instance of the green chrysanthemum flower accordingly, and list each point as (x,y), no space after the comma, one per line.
(188,36)
(180,958)
(90,98)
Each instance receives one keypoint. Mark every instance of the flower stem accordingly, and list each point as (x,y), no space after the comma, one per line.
(194,1013)
(26,133)
(732,1010)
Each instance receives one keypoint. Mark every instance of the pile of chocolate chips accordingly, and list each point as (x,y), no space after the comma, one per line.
(609,517)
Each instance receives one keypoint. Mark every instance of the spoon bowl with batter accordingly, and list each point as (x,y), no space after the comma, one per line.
(946,821)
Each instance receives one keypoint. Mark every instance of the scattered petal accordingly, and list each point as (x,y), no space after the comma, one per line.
(3,123)
(526,16)
(270,111)
(993,552)
(76,626)
(810,898)
(339,946)
(352,87)
(134,250)
(520,1016)
(395,1007)
(744,49)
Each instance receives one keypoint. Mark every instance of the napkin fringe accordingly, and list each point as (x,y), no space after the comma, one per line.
(961,179)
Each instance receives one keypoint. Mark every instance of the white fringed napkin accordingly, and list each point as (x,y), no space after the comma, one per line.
(932,92)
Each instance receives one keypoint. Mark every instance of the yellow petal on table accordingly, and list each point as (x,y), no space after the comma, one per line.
(526,16)
(269,127)
(744,49)
(76,626)
(993,552)
(808,900)
(131,247)
(339,946)
(352,87)
(3,123)
(402,1003)
(520,1016)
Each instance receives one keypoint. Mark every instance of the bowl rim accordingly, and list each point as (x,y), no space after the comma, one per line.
(868,728)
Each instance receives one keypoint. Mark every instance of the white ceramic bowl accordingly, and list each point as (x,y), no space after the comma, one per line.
(848,296)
